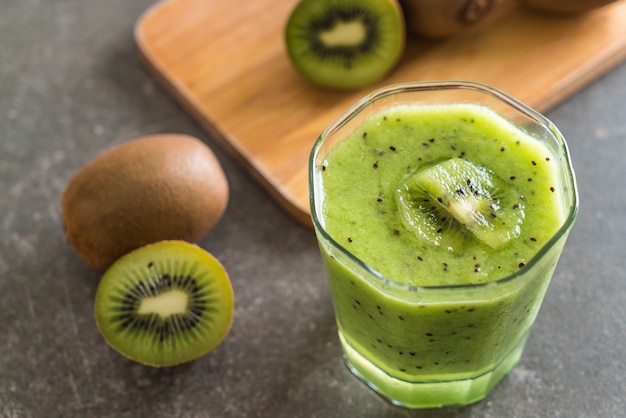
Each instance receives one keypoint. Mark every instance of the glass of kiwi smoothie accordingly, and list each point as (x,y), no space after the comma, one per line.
(440,209)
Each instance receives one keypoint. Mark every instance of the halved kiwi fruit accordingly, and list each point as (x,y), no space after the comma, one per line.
(165,304)
(345,44)
(455,200)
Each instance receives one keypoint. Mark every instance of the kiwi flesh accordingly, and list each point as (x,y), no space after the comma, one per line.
(438,19)
(165,304)
(454,200)
(345,44)
(565,6)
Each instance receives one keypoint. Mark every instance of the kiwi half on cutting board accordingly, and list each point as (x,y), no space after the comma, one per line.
(345,44)
(165,304)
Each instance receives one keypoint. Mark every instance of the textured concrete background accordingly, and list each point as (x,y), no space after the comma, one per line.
(71,85)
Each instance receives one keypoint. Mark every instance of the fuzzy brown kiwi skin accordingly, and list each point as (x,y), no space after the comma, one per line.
(565,6)
(439,19)
(154,188)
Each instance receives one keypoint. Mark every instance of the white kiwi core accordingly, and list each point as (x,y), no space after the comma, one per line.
(352,33)
(466,210)
(165,304)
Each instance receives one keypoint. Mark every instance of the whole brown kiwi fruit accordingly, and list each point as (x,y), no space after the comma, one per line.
(444,18)
(565,6)
(154,188)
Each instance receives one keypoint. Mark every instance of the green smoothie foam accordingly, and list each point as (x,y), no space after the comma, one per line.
(406,325)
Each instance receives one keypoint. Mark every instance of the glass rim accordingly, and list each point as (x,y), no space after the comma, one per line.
(409,87)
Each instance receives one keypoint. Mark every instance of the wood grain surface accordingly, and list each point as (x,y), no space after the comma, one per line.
(226,63)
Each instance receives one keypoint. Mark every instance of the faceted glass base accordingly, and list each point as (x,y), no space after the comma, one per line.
(428,394)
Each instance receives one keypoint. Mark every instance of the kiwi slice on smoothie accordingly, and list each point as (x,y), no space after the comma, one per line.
(454,200)
(345,44)
(165,304)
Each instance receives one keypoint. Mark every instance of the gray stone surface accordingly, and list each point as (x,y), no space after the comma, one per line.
(71,85)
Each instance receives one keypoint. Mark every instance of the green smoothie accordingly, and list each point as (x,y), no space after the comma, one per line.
(429,199)
(362,176)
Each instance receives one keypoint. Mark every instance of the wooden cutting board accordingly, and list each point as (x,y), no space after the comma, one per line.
(225,62)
